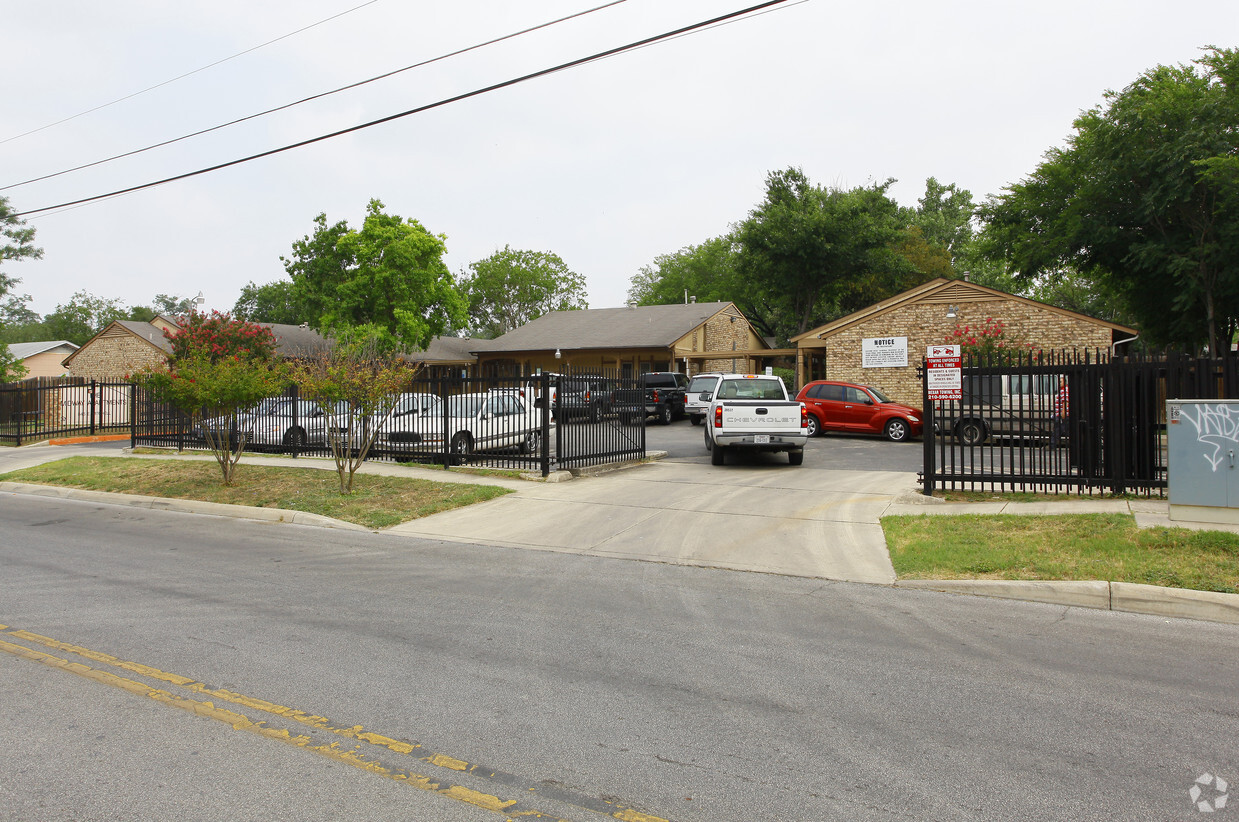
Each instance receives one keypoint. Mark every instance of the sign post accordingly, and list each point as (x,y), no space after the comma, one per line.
(943,375)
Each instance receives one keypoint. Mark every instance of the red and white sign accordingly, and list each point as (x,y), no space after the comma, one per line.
(943,378)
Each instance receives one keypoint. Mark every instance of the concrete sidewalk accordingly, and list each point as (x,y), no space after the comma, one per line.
(763,518)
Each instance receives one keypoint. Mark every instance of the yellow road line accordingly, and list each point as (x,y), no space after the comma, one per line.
(243,723)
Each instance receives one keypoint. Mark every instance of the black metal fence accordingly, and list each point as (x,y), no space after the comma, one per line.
(1077,422)
(44,407)
(539,423)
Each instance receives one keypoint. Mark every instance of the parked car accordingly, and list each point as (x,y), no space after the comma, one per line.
(475,422)
(409,405)
(700,393)
(274,421)
(581,396)
(843,406)
(660,396)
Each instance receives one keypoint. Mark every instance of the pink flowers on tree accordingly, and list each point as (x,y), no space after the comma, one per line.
(989,343)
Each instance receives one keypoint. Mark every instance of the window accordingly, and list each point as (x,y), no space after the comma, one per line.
(833,393)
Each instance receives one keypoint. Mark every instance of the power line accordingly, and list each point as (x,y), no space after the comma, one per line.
(313,97)
(465,96)
(187,74)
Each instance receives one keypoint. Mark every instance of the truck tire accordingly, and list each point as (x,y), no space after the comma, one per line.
(716,455)
(664,415)
(795,457)
(971,431)
(695,419)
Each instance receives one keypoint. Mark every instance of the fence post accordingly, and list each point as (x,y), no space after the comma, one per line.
(544,403)
(929,422)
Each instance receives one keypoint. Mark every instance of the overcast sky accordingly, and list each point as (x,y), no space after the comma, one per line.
(607,165)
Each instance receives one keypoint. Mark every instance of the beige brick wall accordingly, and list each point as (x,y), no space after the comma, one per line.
(926,324)
(728,333)
(113,356)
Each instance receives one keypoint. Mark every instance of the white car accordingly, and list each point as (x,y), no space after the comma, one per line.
(700,393)
(274,421)
(409,406)
(475,422)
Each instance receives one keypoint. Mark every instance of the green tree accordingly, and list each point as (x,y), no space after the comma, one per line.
(513,286)
(1142,200)
(219,367)
(18,243)
(82,317)
(275,302)
(812,252)
(389,276)
(358,386)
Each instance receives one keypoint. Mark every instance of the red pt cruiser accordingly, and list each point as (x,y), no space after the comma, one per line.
(842,406)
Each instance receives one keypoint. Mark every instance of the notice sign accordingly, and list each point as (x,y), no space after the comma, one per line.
(884,352)
(943,378)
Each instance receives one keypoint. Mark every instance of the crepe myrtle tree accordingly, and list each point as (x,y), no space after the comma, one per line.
(219,335)
(214,393)
(356,386)
(219,367)
(990,343)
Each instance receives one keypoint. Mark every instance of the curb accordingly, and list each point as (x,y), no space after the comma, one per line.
(1129,597)
(184,506)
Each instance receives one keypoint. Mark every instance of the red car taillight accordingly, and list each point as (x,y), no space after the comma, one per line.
(804,416)
(718,416)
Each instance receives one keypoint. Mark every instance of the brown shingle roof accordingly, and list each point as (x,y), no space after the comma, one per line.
(645,326)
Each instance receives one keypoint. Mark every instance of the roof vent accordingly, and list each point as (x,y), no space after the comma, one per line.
(632,304)
(693,299)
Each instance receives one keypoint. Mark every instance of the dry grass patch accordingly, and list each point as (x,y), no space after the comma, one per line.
(376,501)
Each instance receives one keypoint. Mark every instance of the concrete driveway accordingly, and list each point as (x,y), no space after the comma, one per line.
(767,517)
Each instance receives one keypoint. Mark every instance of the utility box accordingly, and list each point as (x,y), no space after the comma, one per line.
(1203,441)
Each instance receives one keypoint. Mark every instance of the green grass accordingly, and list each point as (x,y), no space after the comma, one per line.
(1066,547)
(376,501)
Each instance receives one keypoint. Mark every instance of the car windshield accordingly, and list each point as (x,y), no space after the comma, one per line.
(878,394)
(702,384)
(464,406)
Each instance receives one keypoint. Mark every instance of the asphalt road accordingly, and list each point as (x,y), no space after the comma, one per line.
(578,687)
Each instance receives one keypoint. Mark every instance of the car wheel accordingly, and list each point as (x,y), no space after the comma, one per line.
(971,432)
(294,438)
(462,446)
(694,419)
(532,444)
(595,413)
(897,429)
(709,442)
(664,415)
(795,457)
(716,455)
(814,427)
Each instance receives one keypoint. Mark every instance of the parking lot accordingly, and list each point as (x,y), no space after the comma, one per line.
(685,442)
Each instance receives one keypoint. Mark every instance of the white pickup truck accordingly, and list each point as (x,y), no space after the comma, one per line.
(752,411)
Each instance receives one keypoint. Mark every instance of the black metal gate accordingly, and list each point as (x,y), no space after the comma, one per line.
(44,407)
(538,423)
(1068,421)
